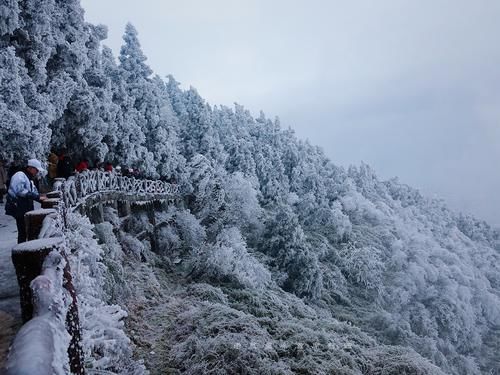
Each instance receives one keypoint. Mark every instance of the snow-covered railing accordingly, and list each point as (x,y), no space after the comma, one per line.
(77,188)
(50,339)
(41,345)
(49,342)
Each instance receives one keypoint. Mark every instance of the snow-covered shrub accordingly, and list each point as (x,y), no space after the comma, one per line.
(242,207)
(132,246)
(208,183)
(271,332)
(137,224)
(323,218)
(341,222)
(206,292)
(290,252)
(303,273)
(191,231)
(361,266)
(168,239)
(112,258)
(87,255)
(228,259)
(110,215)
(212,338)
(360,209)
(105,233)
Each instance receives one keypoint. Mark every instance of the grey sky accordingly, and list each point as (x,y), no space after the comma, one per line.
(410,87)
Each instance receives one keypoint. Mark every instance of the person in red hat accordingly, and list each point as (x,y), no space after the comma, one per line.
(82,166)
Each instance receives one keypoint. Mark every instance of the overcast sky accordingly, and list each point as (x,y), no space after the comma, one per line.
(410,87)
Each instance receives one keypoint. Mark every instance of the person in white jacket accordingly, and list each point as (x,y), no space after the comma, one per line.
(22,192)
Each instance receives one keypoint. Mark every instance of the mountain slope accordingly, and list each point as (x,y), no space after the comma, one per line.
(275,243)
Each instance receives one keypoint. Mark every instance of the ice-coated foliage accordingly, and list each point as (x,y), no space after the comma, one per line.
(24,130)
(228,259)
(191,231)
(361,265)
(105,344)
(242,207)
(259,331)
(9,16)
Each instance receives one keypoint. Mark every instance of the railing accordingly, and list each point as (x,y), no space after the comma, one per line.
(47,257)
(42,344)
(77,188)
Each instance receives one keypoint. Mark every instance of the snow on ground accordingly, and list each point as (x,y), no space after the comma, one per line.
(8,238)
(10,316)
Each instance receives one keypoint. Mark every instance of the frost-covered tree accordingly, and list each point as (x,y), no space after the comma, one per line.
(197,131)
(149,105)
(207,189)
(241,205)
(285,242)
(162,135)
(132,59)
(24,130)
(228,260)
(89,113)
(234,132)
(9,19)
(136,95)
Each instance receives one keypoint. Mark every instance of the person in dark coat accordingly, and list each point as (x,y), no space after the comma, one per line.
(53,161)
(22,192)
(97,164)
(65,165)
(108,167)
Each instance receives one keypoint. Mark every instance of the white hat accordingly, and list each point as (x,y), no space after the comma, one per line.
(36,164)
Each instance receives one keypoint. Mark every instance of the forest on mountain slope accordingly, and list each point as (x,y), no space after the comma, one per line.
(288,263)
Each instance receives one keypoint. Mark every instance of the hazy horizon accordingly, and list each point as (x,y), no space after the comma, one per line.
(409,89)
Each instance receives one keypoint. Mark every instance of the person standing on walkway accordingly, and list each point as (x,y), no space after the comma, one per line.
(22,192)
(53,160)
(65,167)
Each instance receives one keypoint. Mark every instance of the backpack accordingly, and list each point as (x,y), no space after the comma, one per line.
(11,206)
(65,167)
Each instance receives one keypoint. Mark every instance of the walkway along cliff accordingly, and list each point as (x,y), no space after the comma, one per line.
(49,342)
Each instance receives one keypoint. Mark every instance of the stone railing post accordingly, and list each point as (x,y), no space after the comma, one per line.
(28,259)
(54,194)
(34,221)
(50,202)
(41,344)
(123,208)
